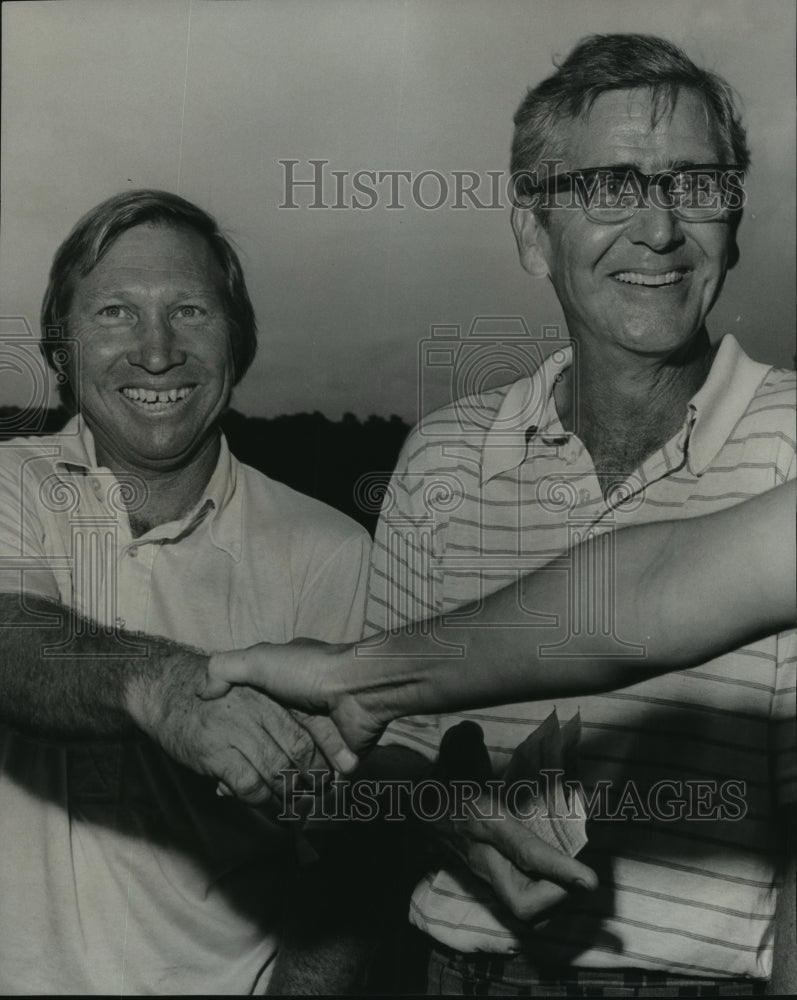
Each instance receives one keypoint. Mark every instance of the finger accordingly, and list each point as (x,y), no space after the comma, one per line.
(529,853)
(258,666)
(243,780)
(331,743)
(272,742)
(279,775)
(288,734)
(527,898)
(463,755)
(224,670)
(275,745)
(292,674)
(287,730)
(212,688)
(223,791)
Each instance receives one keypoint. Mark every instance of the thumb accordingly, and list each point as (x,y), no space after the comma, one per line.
(463,755)
(222,673)
(329,741)
(213,688)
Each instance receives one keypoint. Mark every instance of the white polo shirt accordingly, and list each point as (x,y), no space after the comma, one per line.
(120,870)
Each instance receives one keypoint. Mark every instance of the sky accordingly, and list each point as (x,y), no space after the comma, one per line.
(212,99)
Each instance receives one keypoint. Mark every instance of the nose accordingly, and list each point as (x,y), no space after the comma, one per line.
(155,348)
(656,227)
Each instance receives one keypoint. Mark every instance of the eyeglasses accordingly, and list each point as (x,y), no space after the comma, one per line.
(698,193)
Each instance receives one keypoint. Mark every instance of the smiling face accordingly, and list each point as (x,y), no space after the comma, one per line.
(155,360)
(646,284)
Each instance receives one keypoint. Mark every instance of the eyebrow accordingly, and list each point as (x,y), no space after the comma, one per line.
(675,165)
(124,292)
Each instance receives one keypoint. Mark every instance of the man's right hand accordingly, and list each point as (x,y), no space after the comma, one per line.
(243,739)
(305,674)
(526,874)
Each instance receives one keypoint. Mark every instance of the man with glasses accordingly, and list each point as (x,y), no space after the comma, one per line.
(693,192)
(629,164)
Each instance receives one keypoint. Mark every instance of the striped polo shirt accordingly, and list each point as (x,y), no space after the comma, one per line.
(684,772)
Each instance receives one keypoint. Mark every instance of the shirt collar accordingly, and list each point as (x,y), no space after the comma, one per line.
(76,443)
(227,522)
(527,406)
(713,411)
(220,496)
(719,404)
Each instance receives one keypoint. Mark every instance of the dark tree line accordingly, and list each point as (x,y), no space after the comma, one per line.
(344,463)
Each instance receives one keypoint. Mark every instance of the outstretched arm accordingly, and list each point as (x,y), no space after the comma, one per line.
(686,591)
(64,678)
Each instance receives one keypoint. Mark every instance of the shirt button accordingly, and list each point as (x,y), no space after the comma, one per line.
(133,551)
(120,623)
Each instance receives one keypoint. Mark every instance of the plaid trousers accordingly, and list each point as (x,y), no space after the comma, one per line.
(451,973)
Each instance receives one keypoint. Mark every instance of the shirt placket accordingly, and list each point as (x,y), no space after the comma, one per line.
(137,565)
(629,496)
(576,479)
(134,581)
(669,460)
(592,569)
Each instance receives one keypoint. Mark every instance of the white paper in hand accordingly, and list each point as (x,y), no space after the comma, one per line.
(458,909)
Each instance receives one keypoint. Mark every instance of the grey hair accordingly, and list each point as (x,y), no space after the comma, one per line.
(618,62)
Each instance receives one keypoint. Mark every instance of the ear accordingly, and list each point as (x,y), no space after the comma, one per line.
(733,249)
(532,241)
(733,252)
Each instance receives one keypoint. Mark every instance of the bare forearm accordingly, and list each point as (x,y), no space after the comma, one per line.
(683,591)
(719,581)
(62,677)
(660,597)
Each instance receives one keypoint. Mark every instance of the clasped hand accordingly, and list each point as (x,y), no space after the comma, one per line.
(524,872)
(306,675)
(242,738)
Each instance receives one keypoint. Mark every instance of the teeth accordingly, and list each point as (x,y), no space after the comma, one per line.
(651,280)
(156,396)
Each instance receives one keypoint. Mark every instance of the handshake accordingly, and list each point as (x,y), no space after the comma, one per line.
(315,679)
(245,717)
(224,717)
(308,704)
(528,868)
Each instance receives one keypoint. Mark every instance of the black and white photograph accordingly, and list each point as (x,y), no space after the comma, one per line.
(397,498)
